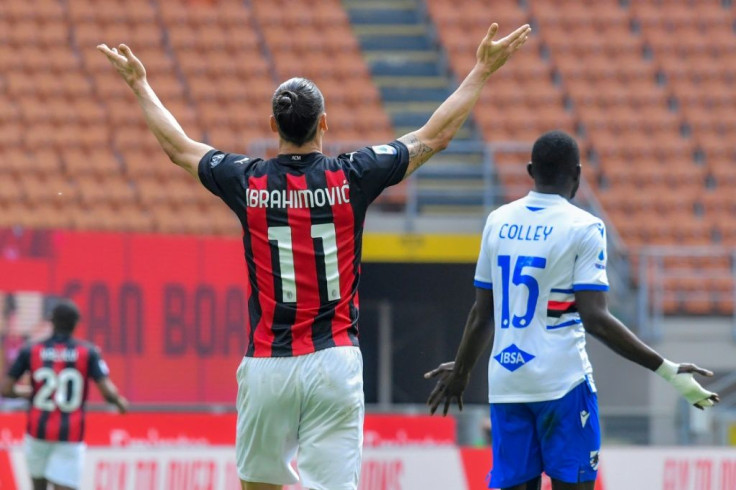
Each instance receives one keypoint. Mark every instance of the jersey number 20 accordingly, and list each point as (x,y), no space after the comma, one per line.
(519,278)
(63,390)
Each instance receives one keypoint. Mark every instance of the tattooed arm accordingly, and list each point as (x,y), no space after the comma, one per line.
(437,133)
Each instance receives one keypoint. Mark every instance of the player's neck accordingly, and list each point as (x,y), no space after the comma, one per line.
(552,189)
(286,148)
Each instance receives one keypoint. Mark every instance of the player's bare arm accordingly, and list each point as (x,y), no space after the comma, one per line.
(441,127)
(454,376)
(181,149)
(601,324)
(10,389)
(111,394)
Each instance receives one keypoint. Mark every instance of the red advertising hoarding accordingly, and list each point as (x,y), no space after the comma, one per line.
(208,429)
(168,312)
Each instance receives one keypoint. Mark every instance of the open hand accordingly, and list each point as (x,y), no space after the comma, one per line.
(449,386)
(709,398)
(125,62)
(491,55)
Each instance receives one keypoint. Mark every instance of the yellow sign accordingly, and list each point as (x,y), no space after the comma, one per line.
(380,247)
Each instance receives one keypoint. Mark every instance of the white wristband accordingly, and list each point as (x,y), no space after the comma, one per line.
(668,370)
(685,384)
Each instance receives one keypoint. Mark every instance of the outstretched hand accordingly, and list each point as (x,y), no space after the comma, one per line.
(125,62)
(709,398)
(449,386)
(493,54)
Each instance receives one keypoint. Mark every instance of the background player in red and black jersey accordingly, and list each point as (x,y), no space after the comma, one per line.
(300,382)
(60,368)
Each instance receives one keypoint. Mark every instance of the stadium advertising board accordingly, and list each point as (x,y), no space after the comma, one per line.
(388,468)
(195,451)
(206,429)
(168,312)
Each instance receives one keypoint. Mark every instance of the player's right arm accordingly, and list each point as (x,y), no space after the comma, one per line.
(181,149)
(601,324)
(590,285)
(441,127)
(100,374)
(111,394)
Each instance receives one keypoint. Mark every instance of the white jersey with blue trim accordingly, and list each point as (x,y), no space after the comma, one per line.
(535,253)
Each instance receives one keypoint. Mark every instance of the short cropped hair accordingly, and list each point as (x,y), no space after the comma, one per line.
(555,156)
(64,316)
(297,105)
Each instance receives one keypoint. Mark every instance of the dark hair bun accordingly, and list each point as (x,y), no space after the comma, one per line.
(297,105)
(286,100)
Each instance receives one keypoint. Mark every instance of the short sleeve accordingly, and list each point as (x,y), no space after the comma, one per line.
(483,277)
(216,168)
(21,364)
(374,168)
(590,264)
(97,366)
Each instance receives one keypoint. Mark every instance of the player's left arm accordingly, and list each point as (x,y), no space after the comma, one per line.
(9,387)
(477,336)
(444,123)
(181,149)
(590,284)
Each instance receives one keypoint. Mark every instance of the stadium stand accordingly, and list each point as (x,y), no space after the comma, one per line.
(646,89)
(648,94)
(73,138)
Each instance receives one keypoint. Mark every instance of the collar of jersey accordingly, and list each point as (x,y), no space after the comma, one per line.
(303,157)
(545,198)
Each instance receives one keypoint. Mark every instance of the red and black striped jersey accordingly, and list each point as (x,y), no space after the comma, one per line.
(60,368)
(302,218)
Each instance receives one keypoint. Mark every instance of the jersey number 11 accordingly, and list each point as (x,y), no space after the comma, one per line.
(282,236)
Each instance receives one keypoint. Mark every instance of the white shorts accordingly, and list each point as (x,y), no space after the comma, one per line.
(58,462)
(312,405)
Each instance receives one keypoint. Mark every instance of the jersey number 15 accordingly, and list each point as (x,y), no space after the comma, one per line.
(519,278)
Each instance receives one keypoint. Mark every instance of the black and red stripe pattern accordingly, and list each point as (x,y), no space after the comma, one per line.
(555,309)
(302,218)
(60,369)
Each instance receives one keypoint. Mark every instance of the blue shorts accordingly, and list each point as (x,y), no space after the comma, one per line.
(560,437)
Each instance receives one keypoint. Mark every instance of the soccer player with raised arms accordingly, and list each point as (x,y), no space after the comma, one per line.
(300,384)
(540,286)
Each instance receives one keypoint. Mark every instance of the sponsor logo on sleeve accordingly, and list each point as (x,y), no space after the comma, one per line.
(512,358)
(242,160)
(216,159)
(384,150)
